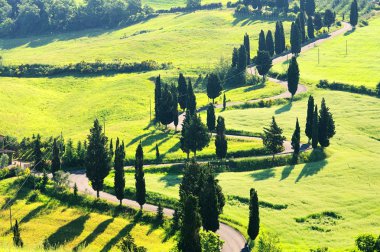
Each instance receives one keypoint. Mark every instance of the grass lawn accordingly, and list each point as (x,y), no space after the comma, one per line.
(70,227)
(359,67)
(167,4)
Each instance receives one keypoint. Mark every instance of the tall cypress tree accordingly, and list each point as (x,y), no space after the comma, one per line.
(182,91)
(55,161)
(191,99)
(185,136)
(318,23)
(139,176)
(209,204)
(157,98)
(293,76)
(247,48)
(189,239)
(214,87)
(279,38)
(111,149)
(220,140)
(119,179)
(211,117)
(224,101)
(295,39)
(175,106)
(37,154)
(309,118)
(310,7)
(254,218)
(296,139)
(310,28)
(300,21)
(326,126)
(242,62)
(273,139)
(262,41)
(302,5)
(263,63)
(17,241)
(235,57)
(97,157)
(315,137)
(354,13)
(269,43)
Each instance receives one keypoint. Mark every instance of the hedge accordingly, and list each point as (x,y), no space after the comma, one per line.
(349,88)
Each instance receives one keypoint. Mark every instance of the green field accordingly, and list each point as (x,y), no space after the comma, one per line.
(70,227)
(359,67)
(167,4)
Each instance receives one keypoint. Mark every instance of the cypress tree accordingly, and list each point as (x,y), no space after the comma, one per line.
(55,161)
(37,154)
(318,24)
(191,99)
(269,43)
(80,153)
(119,179)
(198,135)
(111,149)
(175,106)
(254,218)
(220,140)
(279,38)
(293,76)
(185,136)
(310,28)
(354,13)
(167,105)
(189,239)
(296,139)
(139,176)
(326,126)
(157,98)
(242,62)
(328,18)
(309,118)
(300,21)
(17,241)
(310,7)
(69,157)
(235,57)
(224,101)
(314,139)
(211,117)
(209,204)
(263,63)
(273,139)
(182,91)
(97,157)
(295,39)
(214,87)
(247,48)
(262,41)
(302,5)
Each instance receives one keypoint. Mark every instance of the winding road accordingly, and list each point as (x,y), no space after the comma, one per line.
(234,241)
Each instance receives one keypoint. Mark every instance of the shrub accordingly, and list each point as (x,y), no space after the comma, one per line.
(210,241)
(127,244)
(366,243)
(268,242)
(348,88)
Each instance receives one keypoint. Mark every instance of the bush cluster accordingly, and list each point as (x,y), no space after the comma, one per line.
(349,88)
(210,6)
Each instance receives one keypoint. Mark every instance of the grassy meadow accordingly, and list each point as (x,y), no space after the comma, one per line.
(359,67)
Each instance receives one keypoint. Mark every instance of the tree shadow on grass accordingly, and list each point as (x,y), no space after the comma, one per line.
(66,233)
(34,213)
(170,179)
(172,149)
(91,237)
(349,32)
(311,169)
(138,138)
(263,175)
(286,172)
(285,108)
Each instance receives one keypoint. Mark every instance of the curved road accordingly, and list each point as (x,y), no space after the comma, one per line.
(234,241)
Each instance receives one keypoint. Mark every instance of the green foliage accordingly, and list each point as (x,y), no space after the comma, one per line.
(254,218)
(263,63)
(279,38)
(296,138)
(214,86)
(349,88)
(268,242)
(310,28)
(75,189)
(328,18)
(247,48)
(242,61)
(127,244)
(300,22)
(191,99)
(119,181)
(293,76)
(295,39)
(310,7)
(269,43)
(354,13)
(191,4)
(160,214)
(182,91)
(326,125)
(56,161)
(273,139)
(139,176)
(210,241)
(208,200)
(315,128)
(194,133)
(366,243)
(262,42)
(69,158)
(168,105)
(211,117)
(4,160)
(37,154)
(318,23)
(157,98)
(17,241)
(309,118)
(220,140)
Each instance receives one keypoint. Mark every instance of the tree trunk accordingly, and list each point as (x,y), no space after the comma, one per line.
(97,194)
(188,155)
(121,202)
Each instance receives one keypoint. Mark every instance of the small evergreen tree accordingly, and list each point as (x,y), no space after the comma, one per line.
(263,63)
(224,101)
(310,28)
(220,140)
(211,117)
(262,41)
(80,154)
(198,135)
(247,48)
(185,136)
(111,149)
(296,139)
(354,13)
(214,87)
(273,139)
(242,62)
(182,91)
(37,154)
(254,218)
(300,22)
(139,176)
(69,157)
(209,204)
(191,99)
(269,43)
(235,57)
(328,18)
(157,98)
(17,241)
(318,24)
(315,137)
(279,38)
(309,118)
(167,105)
(293,76)
(119,178)
(295,39)
(55,161)
(326,126)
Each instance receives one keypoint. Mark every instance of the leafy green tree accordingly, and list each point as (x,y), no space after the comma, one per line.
(157,98)
(235,57)
(295,39)
(366,243)
(293,76)
(37,154)
(127,244)
(211,117)
(326,125)
(198,134)
(242,62)
(310,7)
(191,99)
(189,239)
(354,13)
(214,87)
(269,43)
(279,38)
(310,28)
(262,41)
(300,22)
(309,118)
(263,63)
(268,242)
(210,241)
(296,139)
(318,23)
(55,161)
(139,176)
(209,204)
(254,218)
(220,140)
(273,139)
(17,241)
(247,48)
(182,91)
(119,179)
(97,157)
(314,138)
(328,18)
